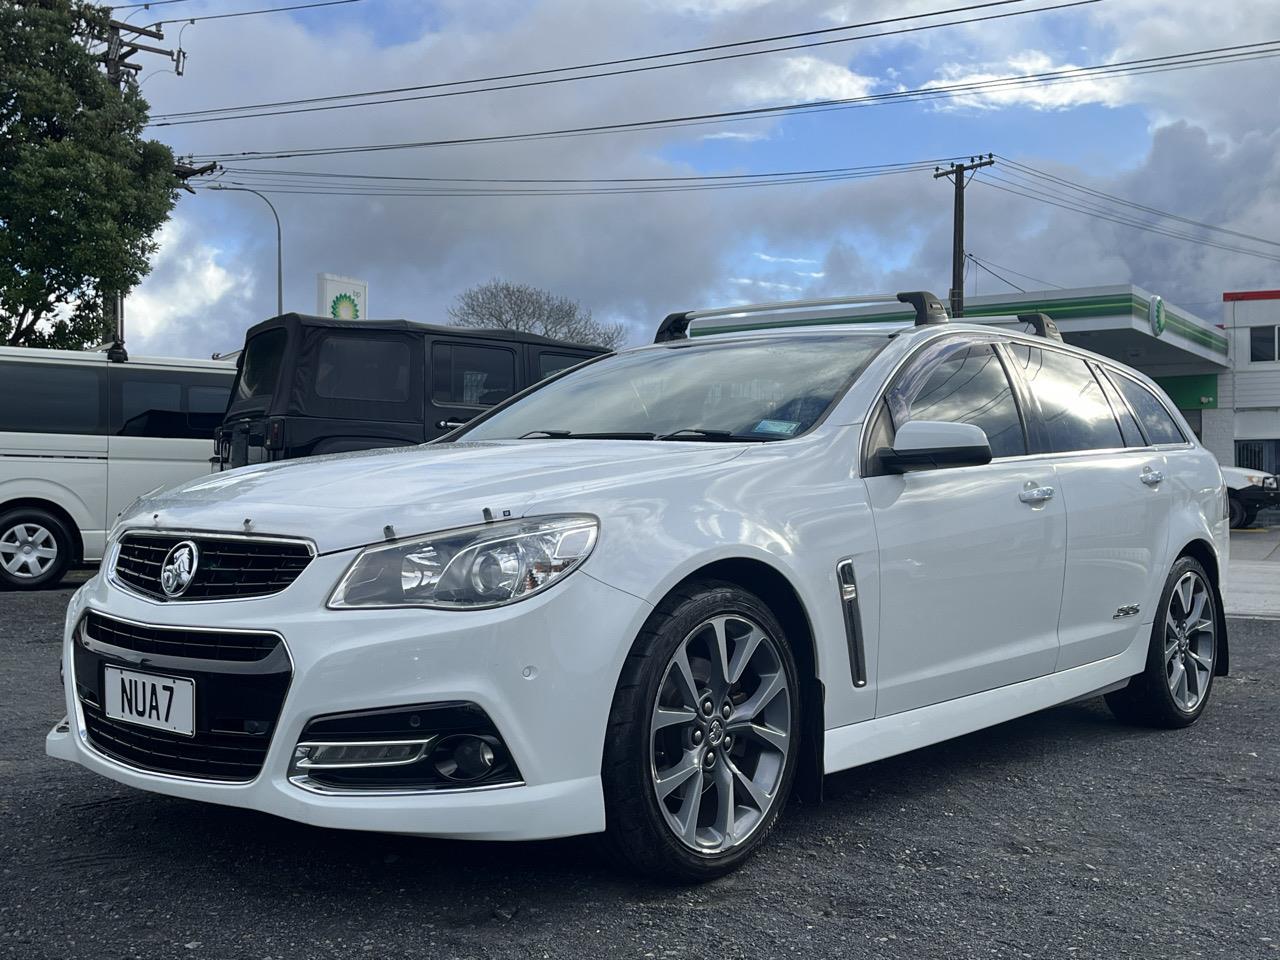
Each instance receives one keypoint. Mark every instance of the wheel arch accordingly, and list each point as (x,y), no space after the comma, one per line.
(781,597)
(1203,553)
(48,506)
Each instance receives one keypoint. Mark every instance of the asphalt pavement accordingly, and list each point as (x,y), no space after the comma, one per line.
(1059,835)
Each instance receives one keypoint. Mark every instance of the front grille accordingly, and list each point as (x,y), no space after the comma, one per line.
(227,568)
(240,684)
(196,644)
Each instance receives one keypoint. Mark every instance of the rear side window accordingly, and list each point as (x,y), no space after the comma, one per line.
(166,404)
(472,376)
(1159,426)
(260,368)
(1074,409)
(967,384)
(363,368)
(549,363)
(51,398)
(1128,425)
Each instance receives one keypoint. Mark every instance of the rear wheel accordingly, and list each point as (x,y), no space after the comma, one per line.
(1174,688)
(35,549)
(704,735)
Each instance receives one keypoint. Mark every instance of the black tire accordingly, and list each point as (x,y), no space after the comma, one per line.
(637,829)
(1250,517)
(1237,515)
(11,522)
(1148,699)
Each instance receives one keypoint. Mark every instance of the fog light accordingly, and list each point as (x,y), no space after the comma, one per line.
(465,757)
(335,756)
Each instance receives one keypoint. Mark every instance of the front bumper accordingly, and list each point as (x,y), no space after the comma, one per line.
(1259,497)
(544,670)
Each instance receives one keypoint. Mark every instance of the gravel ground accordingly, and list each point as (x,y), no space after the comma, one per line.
(1063,834)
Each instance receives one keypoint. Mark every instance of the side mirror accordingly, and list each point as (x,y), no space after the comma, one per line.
(931,445)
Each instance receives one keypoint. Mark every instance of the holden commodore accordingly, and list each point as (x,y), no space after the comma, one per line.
(657,594)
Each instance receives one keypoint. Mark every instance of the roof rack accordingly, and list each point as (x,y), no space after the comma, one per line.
(929,310)
(1042,324)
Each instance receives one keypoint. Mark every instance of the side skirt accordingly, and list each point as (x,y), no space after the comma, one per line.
(871,740)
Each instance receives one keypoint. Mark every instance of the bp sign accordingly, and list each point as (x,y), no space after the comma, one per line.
(342,298)
(1155,314)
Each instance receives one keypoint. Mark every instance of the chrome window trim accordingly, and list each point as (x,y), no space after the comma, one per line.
(83,733)
(113,553)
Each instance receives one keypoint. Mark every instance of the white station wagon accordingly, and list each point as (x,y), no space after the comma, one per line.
(656,593)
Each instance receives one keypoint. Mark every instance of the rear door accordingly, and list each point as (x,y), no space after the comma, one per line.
(467,377)
(1117,508)
(971,558)
(162,422)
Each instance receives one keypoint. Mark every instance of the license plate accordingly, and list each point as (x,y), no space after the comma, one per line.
(166,703)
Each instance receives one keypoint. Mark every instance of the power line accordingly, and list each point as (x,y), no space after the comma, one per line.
(143,6)
(1024,276)
(251,111)
(982,266)
(1182,61)
(336,175)
(1116,217)
(1040,174)
(254,13)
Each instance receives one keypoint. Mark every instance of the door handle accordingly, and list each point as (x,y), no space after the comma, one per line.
(1034,495)
(1151,477)
(450,424)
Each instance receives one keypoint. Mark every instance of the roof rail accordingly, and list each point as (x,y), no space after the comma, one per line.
(1042,324)
(929,310)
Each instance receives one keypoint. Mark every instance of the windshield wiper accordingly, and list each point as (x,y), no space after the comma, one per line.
(696,433)
(570,435)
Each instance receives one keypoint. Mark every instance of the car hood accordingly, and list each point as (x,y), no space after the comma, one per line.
(347,500)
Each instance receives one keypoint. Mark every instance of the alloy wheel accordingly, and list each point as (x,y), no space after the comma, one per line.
(27,550)
(1189,641)
(720,734)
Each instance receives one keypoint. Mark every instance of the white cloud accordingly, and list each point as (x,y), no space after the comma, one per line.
(770,258)
(739,135)
(764,284)
(803,78)
(1071,92)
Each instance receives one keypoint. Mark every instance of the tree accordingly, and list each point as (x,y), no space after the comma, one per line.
(81,192)
(498,305)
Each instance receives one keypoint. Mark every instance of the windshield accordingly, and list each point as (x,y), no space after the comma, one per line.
(760,389)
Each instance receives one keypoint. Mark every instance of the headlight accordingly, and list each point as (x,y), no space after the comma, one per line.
(1255,480)
(484,566)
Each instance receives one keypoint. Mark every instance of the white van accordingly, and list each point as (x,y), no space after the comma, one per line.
(81,438)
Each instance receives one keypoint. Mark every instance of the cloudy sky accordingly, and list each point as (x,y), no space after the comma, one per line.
(1200,143)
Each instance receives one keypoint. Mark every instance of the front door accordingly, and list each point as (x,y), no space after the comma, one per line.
(971,558)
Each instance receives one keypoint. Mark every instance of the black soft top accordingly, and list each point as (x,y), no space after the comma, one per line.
(299,321)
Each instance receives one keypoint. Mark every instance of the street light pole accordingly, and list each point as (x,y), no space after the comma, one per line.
(279,242)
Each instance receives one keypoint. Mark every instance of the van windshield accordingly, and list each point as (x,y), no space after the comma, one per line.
(759,389)
(259,369)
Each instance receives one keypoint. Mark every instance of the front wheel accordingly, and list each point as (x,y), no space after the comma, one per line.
(35,549)
(703,735)
(1174,689)
(1237,515)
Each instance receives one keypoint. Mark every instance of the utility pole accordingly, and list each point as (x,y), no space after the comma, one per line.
(956,174)
(123,42)
(279,242)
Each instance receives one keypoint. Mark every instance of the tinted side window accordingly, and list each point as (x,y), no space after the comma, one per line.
(173,404)
(1128,426)
(1159,426)
(363,368)
(51,398)
(260,367)
(549,363)
(1075,410)
(471,376)
(967,385)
